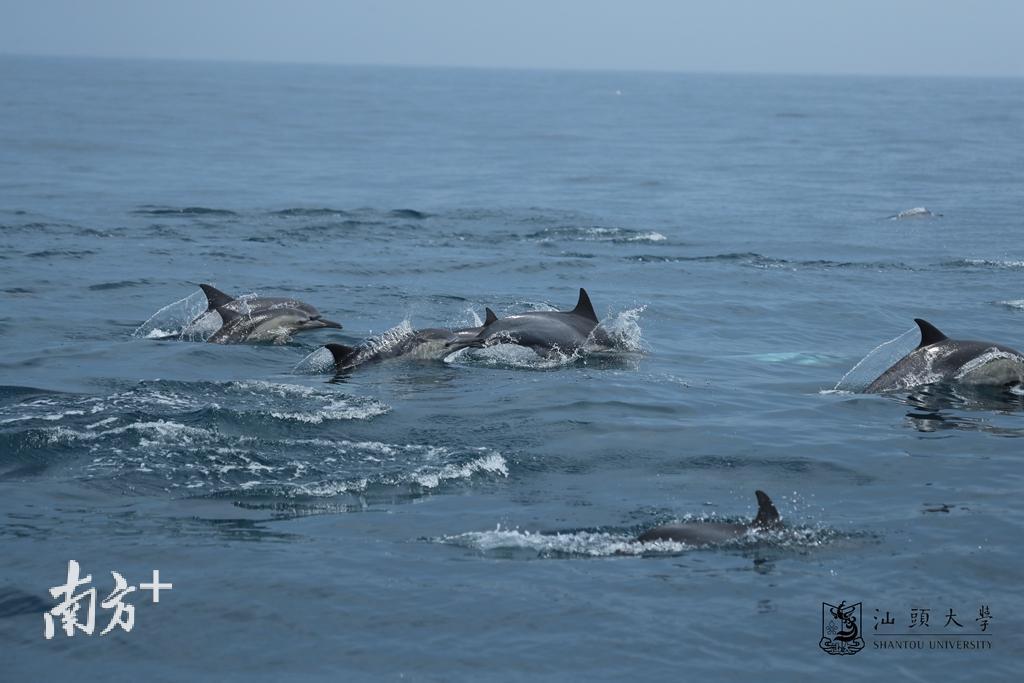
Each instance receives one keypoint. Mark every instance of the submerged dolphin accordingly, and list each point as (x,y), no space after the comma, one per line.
(427,344)
(543,331)
(709,533)
(260,318)
(938,358)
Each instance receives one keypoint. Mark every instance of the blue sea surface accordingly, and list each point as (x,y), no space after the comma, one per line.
(474,519)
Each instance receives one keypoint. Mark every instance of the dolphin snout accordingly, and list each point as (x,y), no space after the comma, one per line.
(320,323)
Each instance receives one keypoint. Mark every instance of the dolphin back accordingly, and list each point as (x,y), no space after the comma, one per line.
(344,356)
(939,358)
(709,533)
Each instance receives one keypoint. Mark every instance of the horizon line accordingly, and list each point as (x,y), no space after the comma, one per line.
(477,67)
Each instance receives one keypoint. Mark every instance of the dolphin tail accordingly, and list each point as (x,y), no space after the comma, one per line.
(215,298)
(767,515)
(489,317)
(344,356)
(929,333)
(584,308)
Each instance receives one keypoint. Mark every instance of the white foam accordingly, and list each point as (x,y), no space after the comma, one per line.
(622,330)
(336,410)
(611,544)
(592,544)
(492,463)
(990,263)
(916,212)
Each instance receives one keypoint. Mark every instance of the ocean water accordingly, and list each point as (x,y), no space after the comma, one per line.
(474,519)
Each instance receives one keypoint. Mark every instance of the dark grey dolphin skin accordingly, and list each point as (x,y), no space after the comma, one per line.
(542,331)
(430,343)
(217,299)
(271,324)
(260,318)
(938,358)
(710,533)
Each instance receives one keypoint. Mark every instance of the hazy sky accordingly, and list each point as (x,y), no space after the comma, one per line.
(916,37)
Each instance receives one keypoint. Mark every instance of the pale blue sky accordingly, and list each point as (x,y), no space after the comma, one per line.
(899,37)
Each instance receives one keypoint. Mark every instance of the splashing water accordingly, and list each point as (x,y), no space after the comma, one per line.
(317,362)
(188,320)
(385,341)
(621,332)
(173,319)
(616,543)
(916,212)
(877,361)
(618,333)
(515,356)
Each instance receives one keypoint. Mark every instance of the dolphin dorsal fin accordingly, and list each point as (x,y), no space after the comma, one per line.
(489,317)
(767,515)
(584,308)
(227,315)
(215,298)
(342,354)
(929,333)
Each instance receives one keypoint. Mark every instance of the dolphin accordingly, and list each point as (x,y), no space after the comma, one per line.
(916,212)
(270,324)
(709,533)
(938,358)
(543,331)
(259,318)
(217,300)
(430,343)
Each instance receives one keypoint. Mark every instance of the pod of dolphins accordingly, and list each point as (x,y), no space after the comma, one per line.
(936,359)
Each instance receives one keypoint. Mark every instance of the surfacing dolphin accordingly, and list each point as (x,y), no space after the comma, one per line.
(216,299)
(710,533)
(941,359)
(252,319)
(271,324)
(430,343)
(545,332)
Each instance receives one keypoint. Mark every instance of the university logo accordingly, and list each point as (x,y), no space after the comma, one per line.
(840,629)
